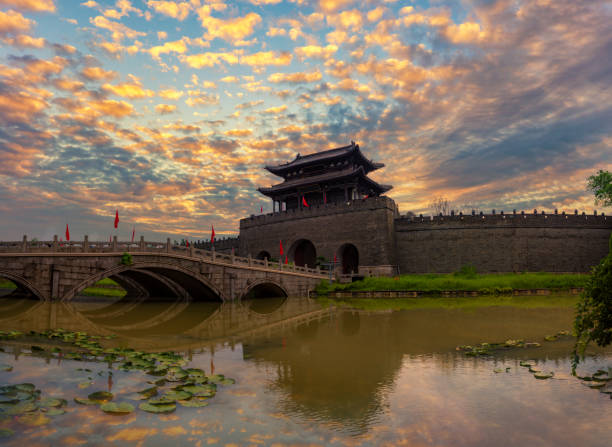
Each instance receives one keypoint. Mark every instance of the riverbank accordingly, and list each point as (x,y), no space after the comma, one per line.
(557,300)
(105,287)
(462,283)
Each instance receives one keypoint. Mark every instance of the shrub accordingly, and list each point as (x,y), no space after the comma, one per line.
(126,259)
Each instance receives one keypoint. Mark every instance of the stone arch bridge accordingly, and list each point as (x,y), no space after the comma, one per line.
(50,271)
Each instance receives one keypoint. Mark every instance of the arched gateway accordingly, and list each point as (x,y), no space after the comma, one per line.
(303,253)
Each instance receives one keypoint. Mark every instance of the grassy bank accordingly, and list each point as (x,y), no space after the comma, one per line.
(536,301)
(104,287)
(483,283)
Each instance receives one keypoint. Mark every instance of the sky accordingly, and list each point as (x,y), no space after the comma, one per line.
(169,110)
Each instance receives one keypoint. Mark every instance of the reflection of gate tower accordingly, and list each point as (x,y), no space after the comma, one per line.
(326,205)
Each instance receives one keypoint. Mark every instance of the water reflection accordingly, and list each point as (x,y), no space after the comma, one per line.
(343,376)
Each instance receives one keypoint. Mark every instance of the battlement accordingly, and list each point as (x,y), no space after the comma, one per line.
(328,209)
(519,219)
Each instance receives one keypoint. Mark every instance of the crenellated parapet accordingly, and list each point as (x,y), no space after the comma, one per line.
(329,209)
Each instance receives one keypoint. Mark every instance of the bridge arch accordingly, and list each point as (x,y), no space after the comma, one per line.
(194,284)
(263,254)
(264,288)
(303,253)
(349,258)
(23,284)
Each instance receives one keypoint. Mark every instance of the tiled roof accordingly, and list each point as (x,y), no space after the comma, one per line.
(332,175)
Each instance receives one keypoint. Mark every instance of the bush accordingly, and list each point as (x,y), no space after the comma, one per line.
(466,271)
(126,259)
(594,310)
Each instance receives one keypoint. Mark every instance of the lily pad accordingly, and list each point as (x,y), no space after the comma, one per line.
(177,395)
(498,370)
(550,338)
(526,363)
(28,387)
(54,411)
(596,385)
(101,396)
(34,419)
(83,385)
(22,407)
(114,408)
(52,402)
(163,408)
(6,368)
(82,401)
(6,432)
(193,403)
(227,381)
(162,400)
(149,392)
(543,376)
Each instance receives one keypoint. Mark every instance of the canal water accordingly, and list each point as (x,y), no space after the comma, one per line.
(306,374)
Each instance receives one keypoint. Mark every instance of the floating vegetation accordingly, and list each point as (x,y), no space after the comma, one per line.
(542,375)
(23,401)
(189,387)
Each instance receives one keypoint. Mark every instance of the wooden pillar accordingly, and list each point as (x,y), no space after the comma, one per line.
(85,244)
(114,243)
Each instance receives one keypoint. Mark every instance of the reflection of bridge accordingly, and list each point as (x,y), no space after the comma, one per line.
(49,271)
(176,326)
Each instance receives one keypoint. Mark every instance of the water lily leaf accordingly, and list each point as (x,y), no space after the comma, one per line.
(34,419)
(543,376)
(498,370)
(596,385)
(82,401)
(52,402)
(114,408)
(550,338)
(83,385)
(162,400)
(163,408)
(54,411)
(534,370)
(532,344)
(526,363)
(178,394)
(101,396)
(227,381)
(216,378)
(6,432)
(6,368)
(29,387)
(193,403)
(23,407)
(149,392)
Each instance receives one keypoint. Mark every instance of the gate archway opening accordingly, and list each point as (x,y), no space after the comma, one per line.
(303,253)
(349,259)
(263,255)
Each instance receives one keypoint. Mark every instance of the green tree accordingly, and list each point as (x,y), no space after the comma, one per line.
(593,322)
(601,185)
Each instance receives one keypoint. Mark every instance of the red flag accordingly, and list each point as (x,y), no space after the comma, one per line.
(67,233)
(335,260)
(281,248)
(116,218)
(286,259)
(304,201)
(324,197)
(261,209)
(187,243)
(212,234)
(133,231)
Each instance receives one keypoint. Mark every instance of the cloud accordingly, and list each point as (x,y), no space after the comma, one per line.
(25,41)
(232,30)
(165,109)
(131,90)
(238,132)
(30,5)
(98,74)
(119,31)
(295,78)
(210,59)
(315,51)
(178,46)
(12,22)
(170,94)
(266,58)
(334,5)
(177,10)
(275,110)
(199,98)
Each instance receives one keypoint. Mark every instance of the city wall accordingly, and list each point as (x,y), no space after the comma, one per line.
(502,243)
(367,224)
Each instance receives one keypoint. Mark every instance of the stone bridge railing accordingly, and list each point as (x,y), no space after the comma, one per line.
(142,246)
